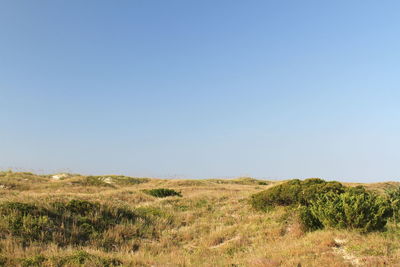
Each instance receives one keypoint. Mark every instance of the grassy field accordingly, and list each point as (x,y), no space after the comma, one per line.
(73,220)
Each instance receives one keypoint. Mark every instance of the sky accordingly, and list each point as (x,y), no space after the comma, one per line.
(201,89)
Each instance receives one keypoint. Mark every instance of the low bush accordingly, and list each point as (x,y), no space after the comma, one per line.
(308,220)
(294,192)
(162,192)
(354,209)
(314,187)
(393,197)
(328,204)
(280,195)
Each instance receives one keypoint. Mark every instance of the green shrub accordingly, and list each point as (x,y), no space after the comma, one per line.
(312,188)
(293,192)
(162,192)
(280,195)
(328,204)
(308,220)
(355,209)
(393,196)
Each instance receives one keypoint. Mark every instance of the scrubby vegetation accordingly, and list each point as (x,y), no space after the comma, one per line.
(21,180)
(353,209)
(108,181)
(162,192)
(393,196)
(92,181)
(65,223)
(294,192)
(76,220)
(330,204)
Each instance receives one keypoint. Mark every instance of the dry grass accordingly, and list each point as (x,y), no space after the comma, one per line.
(211,225)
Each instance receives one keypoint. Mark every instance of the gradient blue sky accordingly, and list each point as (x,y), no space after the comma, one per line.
(269,89)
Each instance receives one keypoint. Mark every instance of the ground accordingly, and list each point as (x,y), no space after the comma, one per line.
(212,224)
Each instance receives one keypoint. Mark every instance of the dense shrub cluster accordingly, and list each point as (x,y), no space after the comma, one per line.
(328,204)
(393,195)
(65,223)
(294,192)
(162,192)
(354,209)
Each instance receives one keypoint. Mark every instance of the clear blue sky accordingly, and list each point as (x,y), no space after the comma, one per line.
(272,89)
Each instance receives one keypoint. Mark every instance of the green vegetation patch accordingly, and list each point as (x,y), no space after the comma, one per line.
(97,181)
(76,222)
(294,192)
(125,180)
(108,181)
(162,192)
(355,209)
(328,204)
(393,195)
